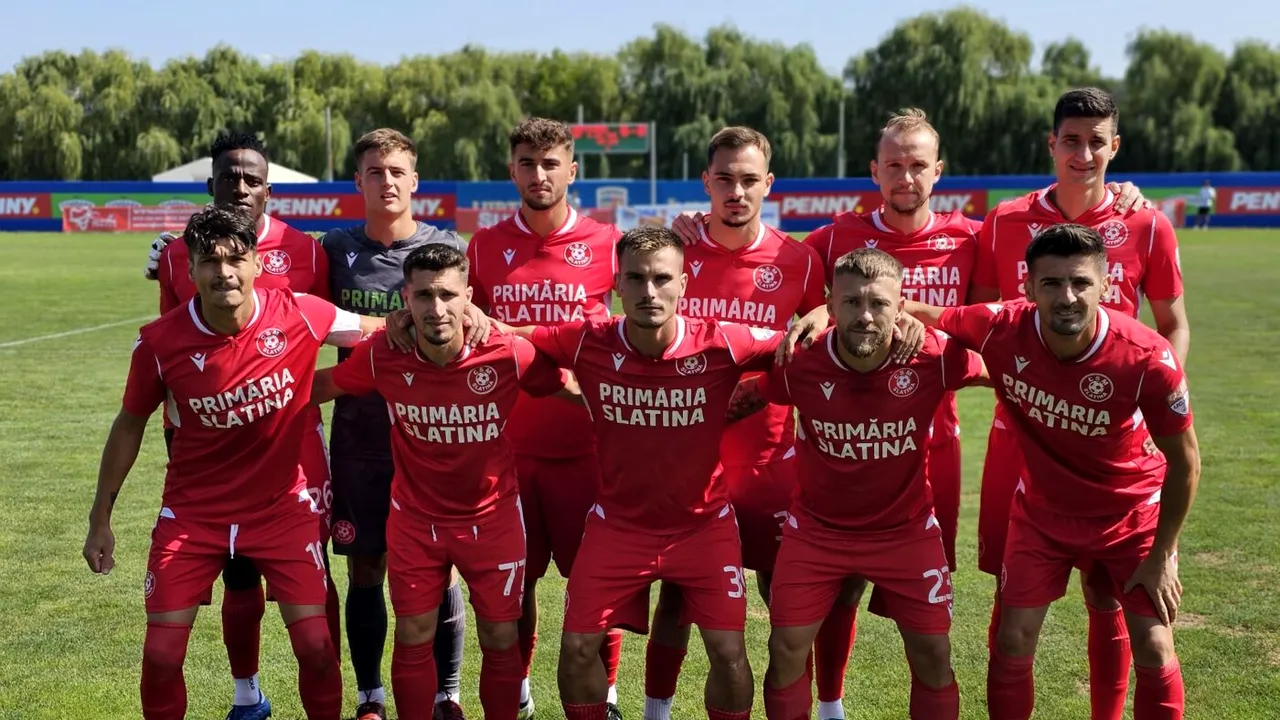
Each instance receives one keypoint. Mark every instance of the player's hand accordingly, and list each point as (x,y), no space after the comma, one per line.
(99,548)
(400,330)
(686,226)
(802,332)
(1159,575)
(1129,198)
(477,325)
(909,337)
(152,270)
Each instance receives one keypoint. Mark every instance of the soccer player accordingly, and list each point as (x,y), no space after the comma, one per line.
(1142,264)
(544,266)
(863,510)
(454,500)
(291,260)
(658,386)
(365,277)
(1085,387)
(739,271)
(232,366)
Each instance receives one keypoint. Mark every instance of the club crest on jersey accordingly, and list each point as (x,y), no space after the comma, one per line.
(148,584)
(1096,387)
(482,380)
(344,533)
(276,262)
(942,243)
(903,382)
(272,342)
(767,277)
(693,365)
(1114,234)
(578,254)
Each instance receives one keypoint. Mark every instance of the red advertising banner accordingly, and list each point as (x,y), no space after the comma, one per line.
(1249,201)
(350,206)
(823,205)
(16,205)
(128,218)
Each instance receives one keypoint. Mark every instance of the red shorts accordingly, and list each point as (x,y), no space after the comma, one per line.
(1044,546)
(557,494)
(761,496)
(187,556)
(907,566)
(314,460)
(1002,471)
(489,554)
(616,567)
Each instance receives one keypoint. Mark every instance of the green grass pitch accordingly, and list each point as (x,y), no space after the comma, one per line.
(70,642)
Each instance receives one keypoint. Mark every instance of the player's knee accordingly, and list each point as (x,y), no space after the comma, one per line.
(1016,639)
(930,658)
(1152,648)
(416,629)
(1097,599)
(727,653)
(312,645)
(367,570)
(786,650)
(579,650)
(496,635)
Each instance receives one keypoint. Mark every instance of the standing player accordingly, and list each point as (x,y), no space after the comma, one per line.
(1142,263)
(739,271)
(291,260)
(454,501)
(365,277)
(658,386)
(864,510)
(233,367)
(1085,387)
(545,266)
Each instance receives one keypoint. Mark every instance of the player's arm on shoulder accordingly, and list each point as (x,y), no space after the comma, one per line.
(968,324)
(152,268)
(962,367)
(802,332)
(1162,286)
(755,392)
(353,376)
(558,342)
(539,374)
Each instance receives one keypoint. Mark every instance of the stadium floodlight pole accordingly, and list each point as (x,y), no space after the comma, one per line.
(653,163)
(840,159)
(328,143)
(582,158)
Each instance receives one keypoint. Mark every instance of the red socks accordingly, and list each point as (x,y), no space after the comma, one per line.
(934,704)
(611,655)
(242,612)
(585,712)
(1109,659)
(164,689)
(714,714)
(662,669)
(413,680)
(831,651)
(319,680)
(1011,690)
(789,703)
(500,674)
(527,644)
(1160,694)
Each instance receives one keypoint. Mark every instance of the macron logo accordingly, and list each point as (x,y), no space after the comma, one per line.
(617,360)
(198,359)
(1167,359)
(408,378)
(351,258)
(1021,362)
(872,243)
(696,266)
(827,388)
(508,255)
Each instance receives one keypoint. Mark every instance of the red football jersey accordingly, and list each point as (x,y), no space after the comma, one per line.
(763,284)
(239,402)
(862,458)
(453,461)
(1142,249)
(938,263)
(521,278)
(1081,423)
(659,421)
(291,260)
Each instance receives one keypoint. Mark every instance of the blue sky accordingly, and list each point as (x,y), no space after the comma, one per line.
(157,30)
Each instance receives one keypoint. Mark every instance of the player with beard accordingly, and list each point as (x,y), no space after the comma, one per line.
(545,266)
(366,276)
(291,260)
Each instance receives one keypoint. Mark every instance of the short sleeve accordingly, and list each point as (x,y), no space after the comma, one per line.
(1162,277)
(355,375)
(559,342)
(753,348)
(1163,396)
(329,324)
(970,325)
(815,280)
(984,270)
(539,376)
(144,391)
(320,283)
(164,278)
(960,365)
(820,241)
(479,291)
(773,387)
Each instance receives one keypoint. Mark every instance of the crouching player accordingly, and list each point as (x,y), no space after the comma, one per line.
(863,510)
(1086,388)
(454,499)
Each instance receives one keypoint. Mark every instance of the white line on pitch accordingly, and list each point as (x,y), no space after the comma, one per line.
(69,333)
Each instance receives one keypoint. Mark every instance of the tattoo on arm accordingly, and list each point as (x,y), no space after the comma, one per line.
(746,401)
